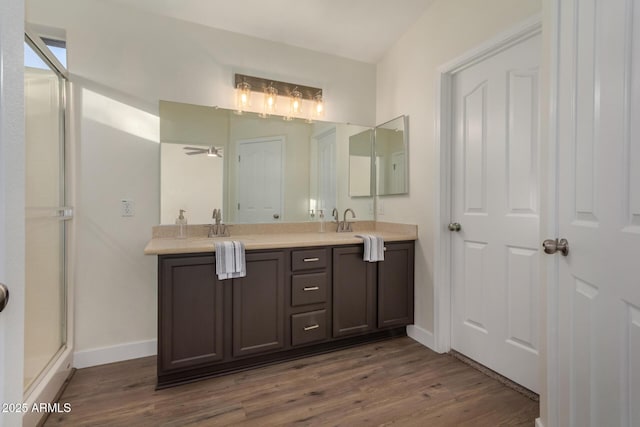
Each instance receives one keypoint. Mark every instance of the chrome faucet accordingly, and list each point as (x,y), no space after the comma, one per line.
(218,229)
(345,226)
(335,215)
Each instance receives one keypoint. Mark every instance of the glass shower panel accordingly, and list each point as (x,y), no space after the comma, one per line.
(45,305)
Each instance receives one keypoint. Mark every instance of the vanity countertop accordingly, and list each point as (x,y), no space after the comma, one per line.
(274,236)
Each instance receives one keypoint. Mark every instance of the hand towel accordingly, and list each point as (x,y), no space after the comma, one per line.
(373,247)
(230,261)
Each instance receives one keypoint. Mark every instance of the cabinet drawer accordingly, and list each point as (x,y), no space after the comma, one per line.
(308,289)
(308,327)
(310,259)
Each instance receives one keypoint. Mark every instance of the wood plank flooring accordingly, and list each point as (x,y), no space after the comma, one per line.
(396,382)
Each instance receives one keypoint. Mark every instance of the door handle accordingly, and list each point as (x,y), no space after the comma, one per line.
(4,296)
(552,246)
(454,226)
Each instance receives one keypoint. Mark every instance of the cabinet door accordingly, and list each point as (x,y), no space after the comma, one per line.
(353,292)
(258,305)
(395,285)
(189,313)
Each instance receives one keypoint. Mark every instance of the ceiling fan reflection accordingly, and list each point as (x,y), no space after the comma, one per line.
(209,151)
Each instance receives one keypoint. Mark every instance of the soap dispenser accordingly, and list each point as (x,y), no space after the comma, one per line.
(181,222)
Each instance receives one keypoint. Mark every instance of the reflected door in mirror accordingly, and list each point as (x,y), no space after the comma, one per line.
(260,180)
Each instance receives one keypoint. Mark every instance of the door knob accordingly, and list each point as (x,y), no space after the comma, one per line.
(4,296)
(454,226)
(552,246)
(276,216)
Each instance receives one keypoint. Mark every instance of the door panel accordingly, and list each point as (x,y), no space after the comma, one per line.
(495,198)
(474,140)
(522,142)
(598,185)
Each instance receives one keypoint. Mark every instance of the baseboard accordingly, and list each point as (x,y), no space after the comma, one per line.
(421,335)
(539,423)
(116,353)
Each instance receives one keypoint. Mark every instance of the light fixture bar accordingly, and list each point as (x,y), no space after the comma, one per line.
(258,84)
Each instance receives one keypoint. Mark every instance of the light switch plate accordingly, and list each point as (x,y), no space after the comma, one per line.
(127,207)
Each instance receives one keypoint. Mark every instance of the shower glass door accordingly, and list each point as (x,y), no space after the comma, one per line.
(45,292)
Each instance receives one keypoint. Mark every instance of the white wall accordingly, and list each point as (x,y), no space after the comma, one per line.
(406,84)
(122,62)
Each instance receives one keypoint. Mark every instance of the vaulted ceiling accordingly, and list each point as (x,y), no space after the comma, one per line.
(358,29)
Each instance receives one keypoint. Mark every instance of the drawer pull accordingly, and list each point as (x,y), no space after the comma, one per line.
(311,259)
(312,327)
(311,288)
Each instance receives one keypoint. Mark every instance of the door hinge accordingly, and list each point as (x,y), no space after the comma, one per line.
(238,206)
(238,159)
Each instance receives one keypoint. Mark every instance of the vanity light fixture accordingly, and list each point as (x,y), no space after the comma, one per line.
(298,96)
(243,96)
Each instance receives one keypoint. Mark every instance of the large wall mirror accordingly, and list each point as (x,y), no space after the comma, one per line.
(255,169)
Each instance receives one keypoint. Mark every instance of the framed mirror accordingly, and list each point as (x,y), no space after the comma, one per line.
(391,157)
(255,169)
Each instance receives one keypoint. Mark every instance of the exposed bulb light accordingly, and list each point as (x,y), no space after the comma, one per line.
(318,105)
(243,97)
(270,98)
(296,102)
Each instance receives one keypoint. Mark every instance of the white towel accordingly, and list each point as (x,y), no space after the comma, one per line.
(230,262)
(373,247)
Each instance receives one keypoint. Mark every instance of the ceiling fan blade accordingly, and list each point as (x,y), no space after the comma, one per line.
(196,149)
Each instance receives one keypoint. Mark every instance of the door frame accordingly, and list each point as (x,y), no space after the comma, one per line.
(444,137)
(283,141)
(12,193)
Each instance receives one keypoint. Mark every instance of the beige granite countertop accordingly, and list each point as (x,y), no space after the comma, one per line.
(273,236)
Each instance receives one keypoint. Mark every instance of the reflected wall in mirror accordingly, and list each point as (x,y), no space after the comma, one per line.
(361,164)
(271,170)
(391,143)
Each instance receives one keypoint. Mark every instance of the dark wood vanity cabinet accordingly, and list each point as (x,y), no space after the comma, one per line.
(190,312)
(361,289)
(291,303)
(258,305)
(395,285)
(354,287)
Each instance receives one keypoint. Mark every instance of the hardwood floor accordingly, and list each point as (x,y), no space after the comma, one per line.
(397,382)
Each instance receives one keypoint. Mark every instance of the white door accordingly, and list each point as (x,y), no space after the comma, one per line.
(327,176)
(495,311)
(12,185)
(260,182)
(598,147)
